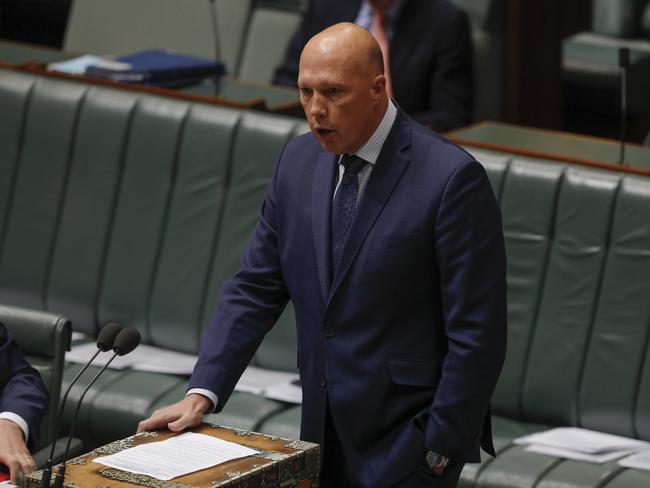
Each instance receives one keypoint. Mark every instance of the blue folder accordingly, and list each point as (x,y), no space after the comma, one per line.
(160,67)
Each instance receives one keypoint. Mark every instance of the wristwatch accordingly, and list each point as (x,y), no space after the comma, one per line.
(437,462)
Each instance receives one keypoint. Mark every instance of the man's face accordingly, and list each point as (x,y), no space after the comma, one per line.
(339,98)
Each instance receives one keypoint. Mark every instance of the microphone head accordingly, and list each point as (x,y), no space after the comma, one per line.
(107,335)
(126,341)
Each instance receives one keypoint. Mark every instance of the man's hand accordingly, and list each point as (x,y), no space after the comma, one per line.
(178,416)
(13,451)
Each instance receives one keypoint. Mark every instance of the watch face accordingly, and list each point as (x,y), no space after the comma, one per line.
(435,460)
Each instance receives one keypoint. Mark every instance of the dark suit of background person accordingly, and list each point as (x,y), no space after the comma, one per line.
(430,57)
(22,392)
(405,339)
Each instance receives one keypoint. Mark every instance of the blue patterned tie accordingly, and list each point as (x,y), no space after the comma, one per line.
(345,205)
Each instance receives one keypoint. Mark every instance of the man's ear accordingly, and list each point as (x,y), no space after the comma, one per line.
(378,86)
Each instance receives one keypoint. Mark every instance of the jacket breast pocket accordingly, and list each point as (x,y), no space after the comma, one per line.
(424,373)
(400,242)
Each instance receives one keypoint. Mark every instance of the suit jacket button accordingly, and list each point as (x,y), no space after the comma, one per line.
(323,381)
(329,332)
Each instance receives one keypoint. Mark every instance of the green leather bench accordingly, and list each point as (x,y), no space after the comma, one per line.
(120,206)
(116,206)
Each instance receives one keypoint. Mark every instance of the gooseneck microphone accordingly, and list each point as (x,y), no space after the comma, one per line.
(623,63)
(105,342)
(125,342)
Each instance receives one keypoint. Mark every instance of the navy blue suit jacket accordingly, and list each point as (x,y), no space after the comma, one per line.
(407,338)
(21,389)
(430,57)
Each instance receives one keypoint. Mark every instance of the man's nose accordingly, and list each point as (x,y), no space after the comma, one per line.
(317,106)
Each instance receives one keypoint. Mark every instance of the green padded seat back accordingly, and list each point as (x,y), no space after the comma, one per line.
(43,338)
(496,167)
(15,89)
(621,331)
(191,229)
(142,205)
(259,140)
(126,26)
(571,290)
(527,206)
(268,35)
(80,249)
(32,225)
(617,18)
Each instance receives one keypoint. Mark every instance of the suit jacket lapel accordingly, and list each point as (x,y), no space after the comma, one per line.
(393,161)
(322,192)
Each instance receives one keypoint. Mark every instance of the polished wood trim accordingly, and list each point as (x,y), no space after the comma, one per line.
(553,132)
(38,69)
(550,156)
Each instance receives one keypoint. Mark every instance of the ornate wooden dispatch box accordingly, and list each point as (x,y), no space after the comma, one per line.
(280,463)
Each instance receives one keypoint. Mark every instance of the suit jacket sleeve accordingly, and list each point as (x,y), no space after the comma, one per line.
(21,389)
(248,306)
(451,86)
(471,257)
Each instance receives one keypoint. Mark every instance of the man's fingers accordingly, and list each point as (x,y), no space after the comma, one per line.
(177,425)
(179,416)
(155,422)
(187,420)
(14,470)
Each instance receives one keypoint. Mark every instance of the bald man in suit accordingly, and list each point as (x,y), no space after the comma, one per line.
(387,238)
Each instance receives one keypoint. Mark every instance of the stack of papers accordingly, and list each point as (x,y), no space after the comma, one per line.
(582,444)
(276,385)
(143,358)
(176,456)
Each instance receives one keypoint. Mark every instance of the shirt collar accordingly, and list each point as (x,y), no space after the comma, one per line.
(371,149)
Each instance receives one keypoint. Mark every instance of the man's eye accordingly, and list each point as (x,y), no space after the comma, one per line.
(333,91)
(305,91)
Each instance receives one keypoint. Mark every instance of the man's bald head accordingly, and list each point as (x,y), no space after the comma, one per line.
(342,86)
(351,41)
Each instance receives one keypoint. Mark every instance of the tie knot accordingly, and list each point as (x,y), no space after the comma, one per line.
(353,163)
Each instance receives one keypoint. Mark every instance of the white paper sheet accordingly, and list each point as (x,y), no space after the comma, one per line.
(582,440)
(576,455)
(144,358)
(285,392)
(640,460)
(78,65)
(258,380)
(177,456)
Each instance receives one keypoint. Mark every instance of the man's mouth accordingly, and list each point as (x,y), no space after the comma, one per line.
(322,131)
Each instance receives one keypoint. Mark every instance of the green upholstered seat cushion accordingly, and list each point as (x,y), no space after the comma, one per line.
(504,431)
(246,411)
(283,424)
(629,478)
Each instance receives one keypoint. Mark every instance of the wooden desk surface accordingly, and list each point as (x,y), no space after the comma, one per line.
(280,463)
(548,144)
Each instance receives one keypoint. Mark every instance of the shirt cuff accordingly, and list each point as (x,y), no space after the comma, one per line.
(17,419)
(206,393)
